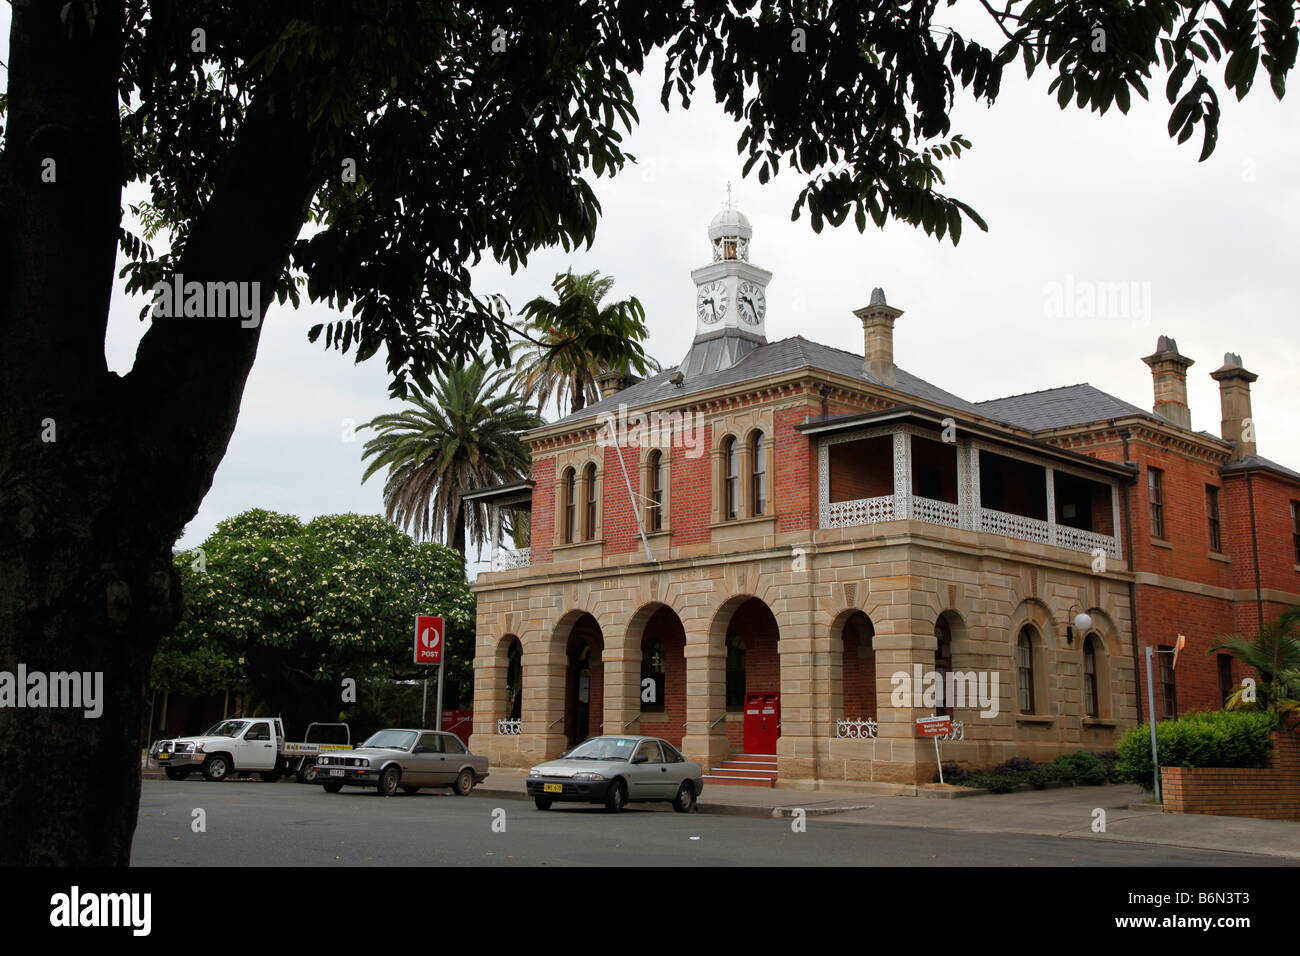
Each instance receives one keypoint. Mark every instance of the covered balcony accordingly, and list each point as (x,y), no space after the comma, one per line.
(509,517)
(908,465)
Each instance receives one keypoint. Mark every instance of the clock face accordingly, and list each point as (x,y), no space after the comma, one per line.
(751,303)
(711,302)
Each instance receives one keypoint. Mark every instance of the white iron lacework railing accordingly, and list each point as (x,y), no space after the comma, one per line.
(1088,541)
(855,728)
(509,728)
(936,512)
(849,514)
(1015,526)
(505,560)
(958,732)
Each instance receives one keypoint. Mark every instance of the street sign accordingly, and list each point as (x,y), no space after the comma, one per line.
(428,639)
(1182,642)
(934,726)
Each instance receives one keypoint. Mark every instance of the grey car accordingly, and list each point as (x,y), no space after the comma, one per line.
(404,759)
(615,771)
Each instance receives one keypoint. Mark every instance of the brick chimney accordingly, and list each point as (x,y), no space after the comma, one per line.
(1234,398)
(878,338)
(1169,373)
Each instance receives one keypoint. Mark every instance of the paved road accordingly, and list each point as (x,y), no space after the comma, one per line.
(250,823)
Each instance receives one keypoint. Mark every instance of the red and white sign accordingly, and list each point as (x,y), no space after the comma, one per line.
(428,639)
(934,726)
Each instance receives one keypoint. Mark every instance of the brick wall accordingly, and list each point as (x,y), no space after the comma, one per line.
(1266,794)
(667,629)
(690,507)
(861,469)
(542,520)
(757,628)
(796,470)
(859,670)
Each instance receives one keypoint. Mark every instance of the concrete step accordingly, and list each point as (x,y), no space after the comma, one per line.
(715,780)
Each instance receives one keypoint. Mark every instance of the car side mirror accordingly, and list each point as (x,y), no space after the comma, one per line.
(418,750)
(640,758)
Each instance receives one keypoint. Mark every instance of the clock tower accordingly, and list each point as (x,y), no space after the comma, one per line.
(730,298)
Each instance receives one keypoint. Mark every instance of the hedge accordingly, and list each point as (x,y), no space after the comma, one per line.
(1215,738)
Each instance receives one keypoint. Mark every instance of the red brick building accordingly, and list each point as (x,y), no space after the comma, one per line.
(796,530)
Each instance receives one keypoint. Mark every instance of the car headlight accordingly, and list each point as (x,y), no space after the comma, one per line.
(587,775)
(321,761)
(365,763)
(534,772)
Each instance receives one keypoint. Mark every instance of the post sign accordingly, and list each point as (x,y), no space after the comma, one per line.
(934,726)
(428,639)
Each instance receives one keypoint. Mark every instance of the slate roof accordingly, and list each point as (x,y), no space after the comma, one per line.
(782,356)
(1060,408)
(1251,462)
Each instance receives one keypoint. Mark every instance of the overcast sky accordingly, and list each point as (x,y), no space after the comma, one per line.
(1070,198)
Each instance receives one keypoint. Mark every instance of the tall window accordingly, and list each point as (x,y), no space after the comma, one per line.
(1168,689)
(1156,495)
(1226,686)
(1025,669)
(942,664)
(731,451)
(1091,699)
(758,462)
(570,502)
(589,482)
(1212,514)
(652,669)
(735,671)
(656,495)
(1295,529)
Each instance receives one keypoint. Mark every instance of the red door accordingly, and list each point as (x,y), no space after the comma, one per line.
(762,723)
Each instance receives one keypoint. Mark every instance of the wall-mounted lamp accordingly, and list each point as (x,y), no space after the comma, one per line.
(1081,622)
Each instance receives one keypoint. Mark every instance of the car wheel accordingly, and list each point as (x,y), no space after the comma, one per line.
(307,774)
(542,803)
(270,776)
(177,773)
(388,781)
(684,802)
(216,768)
(410,790)
(332,786)
(616,798)
(464,782)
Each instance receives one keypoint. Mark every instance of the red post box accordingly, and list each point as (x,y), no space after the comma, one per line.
(762,723)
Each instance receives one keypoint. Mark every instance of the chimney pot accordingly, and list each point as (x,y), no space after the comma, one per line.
(1237,425)
(1169,376)
(878,338)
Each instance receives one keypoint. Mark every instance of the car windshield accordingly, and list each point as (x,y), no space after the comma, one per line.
(393,739)
(227,728)
(604,748)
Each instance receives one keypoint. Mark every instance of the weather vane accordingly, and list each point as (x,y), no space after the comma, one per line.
(728,193)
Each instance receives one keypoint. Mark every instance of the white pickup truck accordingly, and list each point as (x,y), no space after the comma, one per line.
(247,745)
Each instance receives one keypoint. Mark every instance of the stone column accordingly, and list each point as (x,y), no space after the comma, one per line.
(902,644)
(545,670)
(622,681)
(705,740)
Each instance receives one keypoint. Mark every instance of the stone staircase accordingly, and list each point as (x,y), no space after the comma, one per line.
(744,770)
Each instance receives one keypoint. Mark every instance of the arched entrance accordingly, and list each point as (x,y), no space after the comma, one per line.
(662,685)
(514,680)
(584,682)
(858,670)
(753,668)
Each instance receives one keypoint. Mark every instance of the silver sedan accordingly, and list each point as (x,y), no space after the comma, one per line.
(616,771)
(405,759)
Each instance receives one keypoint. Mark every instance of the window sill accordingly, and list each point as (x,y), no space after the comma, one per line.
(594,542)
(661,533)
(733,522)
(1035,719)
(1219,556)
(1161,543)
(1100,722)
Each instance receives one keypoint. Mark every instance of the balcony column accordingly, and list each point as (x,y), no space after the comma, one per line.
(973,486)
(495,522)
(1114,521)
(902,474)
(965,513)
(1051,504)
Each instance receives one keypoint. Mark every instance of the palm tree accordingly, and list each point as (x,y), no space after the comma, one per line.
(463,435)
(1274,652)
(576,339)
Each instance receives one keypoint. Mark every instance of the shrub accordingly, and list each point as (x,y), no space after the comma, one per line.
(1015,765)
(953,773)
(1215,738)
(1108,760)
(1081,767)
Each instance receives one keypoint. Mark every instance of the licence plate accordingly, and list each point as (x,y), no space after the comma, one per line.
(163,756)
(552,788)
(336,773)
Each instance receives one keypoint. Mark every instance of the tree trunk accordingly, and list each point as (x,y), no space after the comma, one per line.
(99,473)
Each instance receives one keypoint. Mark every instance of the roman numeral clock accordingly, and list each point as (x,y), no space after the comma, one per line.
(730,292)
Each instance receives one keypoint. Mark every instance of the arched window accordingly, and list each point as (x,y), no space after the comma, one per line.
(1091,695)
(589,482)
(758,486)
(735,671)
(570,502)
(731,453)
(1025,668)
(652,669)
(656,496)
(942,664)
(514,680)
